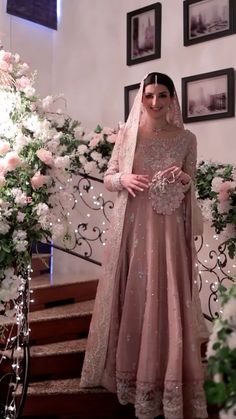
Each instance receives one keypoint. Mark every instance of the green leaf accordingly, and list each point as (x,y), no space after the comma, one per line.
(215,392)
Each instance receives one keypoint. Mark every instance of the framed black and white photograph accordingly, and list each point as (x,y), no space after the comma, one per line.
(129,96)
(208,19)
(144,34)
(208,96)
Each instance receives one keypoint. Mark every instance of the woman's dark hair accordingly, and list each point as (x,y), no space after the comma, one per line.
(160,78)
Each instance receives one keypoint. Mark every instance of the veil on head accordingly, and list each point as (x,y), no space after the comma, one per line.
(174,115)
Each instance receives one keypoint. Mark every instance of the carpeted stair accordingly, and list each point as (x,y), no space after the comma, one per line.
(59,322)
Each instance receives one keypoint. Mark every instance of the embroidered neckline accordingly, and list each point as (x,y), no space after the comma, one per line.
(182,134)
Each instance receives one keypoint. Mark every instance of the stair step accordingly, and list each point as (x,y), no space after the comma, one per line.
(40,263)
(57,360)
(65,397)
(60,323)
(45,294)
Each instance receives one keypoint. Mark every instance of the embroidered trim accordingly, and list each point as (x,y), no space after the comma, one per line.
(152,400)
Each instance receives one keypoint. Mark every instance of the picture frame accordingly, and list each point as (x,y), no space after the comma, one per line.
(208,96)
(129,95)
(144,34)
(208,19)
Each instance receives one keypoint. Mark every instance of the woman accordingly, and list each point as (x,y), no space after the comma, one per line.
(147,326)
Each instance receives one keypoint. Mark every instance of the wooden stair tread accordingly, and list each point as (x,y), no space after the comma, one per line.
(80,309)
(40,281)
(43,281)
(58,348)
(40,255)
(59,387)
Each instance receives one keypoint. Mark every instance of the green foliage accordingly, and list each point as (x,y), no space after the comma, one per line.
(221,221)
(220,386)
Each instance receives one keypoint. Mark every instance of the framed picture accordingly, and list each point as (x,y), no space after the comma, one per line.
(144,34)
(208,19)
(130,93)
(208,96)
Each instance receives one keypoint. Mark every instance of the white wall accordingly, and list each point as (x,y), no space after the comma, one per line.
(86,60)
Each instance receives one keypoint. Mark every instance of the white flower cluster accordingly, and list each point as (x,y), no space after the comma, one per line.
(91,155)
(9,292)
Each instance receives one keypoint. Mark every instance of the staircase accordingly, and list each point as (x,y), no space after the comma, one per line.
(59,323)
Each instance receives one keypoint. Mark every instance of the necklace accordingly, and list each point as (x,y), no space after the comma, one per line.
(156,130)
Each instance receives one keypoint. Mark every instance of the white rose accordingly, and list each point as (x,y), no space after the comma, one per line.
(20,217)
(47,103)
(78,132)
(229,312)
(4,227)
(90,167)
(216,184)
(29,91)
(42,209)
(82,149)
(62,162)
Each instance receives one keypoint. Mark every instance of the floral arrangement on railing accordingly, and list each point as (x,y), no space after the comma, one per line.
(221,353)
(216,189)
(39,147)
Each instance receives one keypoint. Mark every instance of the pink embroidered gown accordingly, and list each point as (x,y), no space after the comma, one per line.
(153,358)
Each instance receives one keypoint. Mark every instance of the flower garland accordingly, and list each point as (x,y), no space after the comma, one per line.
(216,190)
(221,353)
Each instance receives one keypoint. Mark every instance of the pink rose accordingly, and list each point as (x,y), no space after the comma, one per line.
(22,83)
(112,138)
(45,156)
(2,167)
(7,56)
(2,180)
(38,180)
(225,188)
(95,140)
(12,161)
(5,66)
(4,147)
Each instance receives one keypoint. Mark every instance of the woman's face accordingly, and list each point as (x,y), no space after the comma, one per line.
(156,100)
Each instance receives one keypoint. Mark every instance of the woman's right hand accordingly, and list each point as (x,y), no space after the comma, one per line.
(134,183)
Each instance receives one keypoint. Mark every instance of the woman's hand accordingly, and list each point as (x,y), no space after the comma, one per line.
(175,173)
(134,183)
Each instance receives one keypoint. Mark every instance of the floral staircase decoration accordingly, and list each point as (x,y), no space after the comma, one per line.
(221,353)
(40,148)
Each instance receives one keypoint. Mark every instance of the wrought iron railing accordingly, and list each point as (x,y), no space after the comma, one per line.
(89,236)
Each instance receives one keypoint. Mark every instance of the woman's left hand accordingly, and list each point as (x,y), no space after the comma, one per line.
(175,173)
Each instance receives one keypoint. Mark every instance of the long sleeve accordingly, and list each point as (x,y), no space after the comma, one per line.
(112,175)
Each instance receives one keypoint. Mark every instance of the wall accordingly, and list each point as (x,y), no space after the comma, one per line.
(90,65)
(86,60)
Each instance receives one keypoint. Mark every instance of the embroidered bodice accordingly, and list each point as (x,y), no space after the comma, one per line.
(157,154)
(154,155)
